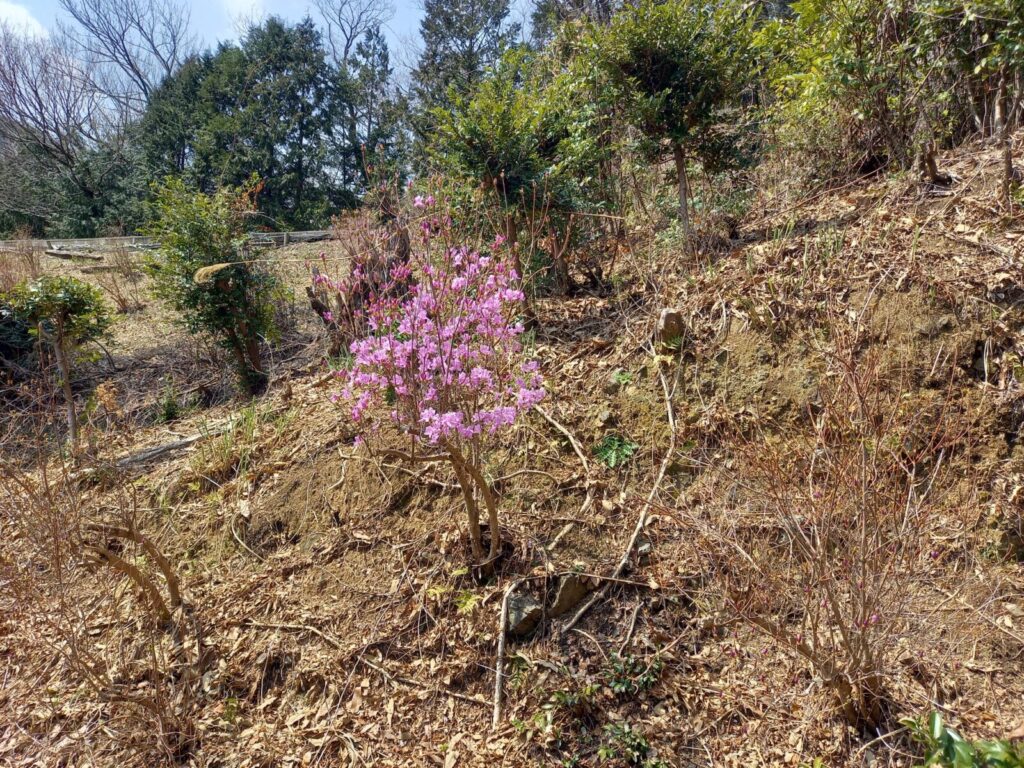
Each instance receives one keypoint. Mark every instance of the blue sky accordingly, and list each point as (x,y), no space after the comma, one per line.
(215,20)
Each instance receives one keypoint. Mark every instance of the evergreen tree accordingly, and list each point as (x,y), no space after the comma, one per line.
(377,107)
(461,40)
(290,110)
(270,107)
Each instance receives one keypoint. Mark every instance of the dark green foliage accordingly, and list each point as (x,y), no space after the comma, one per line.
(627,746)
(571,717)
(680,69)
(177,110)
(370,143)
(864,85)
(628,675)
(679,66)
(107,196)
(269,107)
(169,409)
(614,450)
(496,135)
(945,747)
(231,303)
(63,314)
(535,139)
(63,308)
(461,39)
(15,338)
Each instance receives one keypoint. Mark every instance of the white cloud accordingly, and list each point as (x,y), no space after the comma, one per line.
(20,18)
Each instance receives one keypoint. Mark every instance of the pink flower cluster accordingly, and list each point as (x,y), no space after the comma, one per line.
(443,356)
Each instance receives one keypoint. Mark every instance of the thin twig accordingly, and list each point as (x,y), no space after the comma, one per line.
(572,440)
(629,631)
(499,667)
(641,519)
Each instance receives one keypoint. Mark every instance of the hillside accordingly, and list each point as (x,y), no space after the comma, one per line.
(338,624)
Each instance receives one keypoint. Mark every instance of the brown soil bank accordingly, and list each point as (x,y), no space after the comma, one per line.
(834,538)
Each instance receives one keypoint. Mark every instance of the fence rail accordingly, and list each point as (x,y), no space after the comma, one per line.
(100,244)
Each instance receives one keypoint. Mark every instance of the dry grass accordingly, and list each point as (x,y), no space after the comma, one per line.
(122,281)
(20,264)
(848,401)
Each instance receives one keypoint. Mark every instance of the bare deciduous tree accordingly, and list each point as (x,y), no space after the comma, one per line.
(139,42)
(348,20)
(52,115)
(47,98)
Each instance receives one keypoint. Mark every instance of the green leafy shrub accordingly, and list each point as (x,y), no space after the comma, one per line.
(204,268)
(863,85)
(627,675)
(625,744)
(15,339)
(679,69)
(168,408)
(511,138)
(945,747)
(64,314)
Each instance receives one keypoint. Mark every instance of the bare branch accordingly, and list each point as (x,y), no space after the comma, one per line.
(144,41)
(348,20)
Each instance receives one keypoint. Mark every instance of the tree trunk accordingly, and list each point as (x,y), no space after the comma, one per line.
(64,369)
(492,510)
(1003,105)
(684,190)
(256,375)
(473,513)
(247,359)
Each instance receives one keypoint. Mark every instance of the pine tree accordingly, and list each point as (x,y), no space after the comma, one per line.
(461,39)
(374,100)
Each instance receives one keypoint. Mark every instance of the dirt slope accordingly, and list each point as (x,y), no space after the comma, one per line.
(345,629)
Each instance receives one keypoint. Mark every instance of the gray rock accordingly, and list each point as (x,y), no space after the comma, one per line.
(643,547)
(615,381)
(571,591)
(524,614)
(671,333)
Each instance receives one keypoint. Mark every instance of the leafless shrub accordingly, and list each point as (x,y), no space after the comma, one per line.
(373,252)
(824,532)
(110,601)
(19,263)
(123,281)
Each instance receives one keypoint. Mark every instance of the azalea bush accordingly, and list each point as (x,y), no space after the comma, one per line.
(444,361)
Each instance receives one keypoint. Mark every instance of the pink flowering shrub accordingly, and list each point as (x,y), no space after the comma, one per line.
(443,360)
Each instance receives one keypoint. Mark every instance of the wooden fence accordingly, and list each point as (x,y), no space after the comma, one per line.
(106,244)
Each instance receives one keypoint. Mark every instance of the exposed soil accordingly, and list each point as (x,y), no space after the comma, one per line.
(346,629)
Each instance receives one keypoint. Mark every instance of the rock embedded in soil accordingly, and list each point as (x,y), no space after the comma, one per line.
(524,614)
(671,332)
(615,381)
(571,591)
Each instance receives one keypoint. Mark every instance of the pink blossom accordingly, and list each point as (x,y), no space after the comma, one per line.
(443,359)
